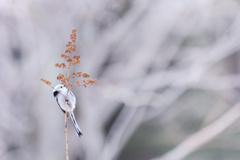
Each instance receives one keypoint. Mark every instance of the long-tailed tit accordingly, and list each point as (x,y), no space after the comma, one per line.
(60,93)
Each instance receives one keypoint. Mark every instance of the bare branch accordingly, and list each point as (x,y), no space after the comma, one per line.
(203,136)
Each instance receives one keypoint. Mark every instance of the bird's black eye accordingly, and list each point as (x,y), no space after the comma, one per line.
(61,86)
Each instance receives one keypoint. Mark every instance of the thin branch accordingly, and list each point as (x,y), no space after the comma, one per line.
(203,136)
(66,136)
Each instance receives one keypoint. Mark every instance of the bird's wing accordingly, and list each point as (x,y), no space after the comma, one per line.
(74,98)
(59,105)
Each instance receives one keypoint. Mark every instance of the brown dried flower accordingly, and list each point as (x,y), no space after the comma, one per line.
(71,61)
(63,81)
(73,35)
(46,81)
(79,74)
(77,61)
(91,81)
(77,83)
(76,56)
(85,75)
(60,76)
(64,56)
(63,65)
(69,44)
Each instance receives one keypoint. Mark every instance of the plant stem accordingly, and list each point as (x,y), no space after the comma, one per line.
(66,137)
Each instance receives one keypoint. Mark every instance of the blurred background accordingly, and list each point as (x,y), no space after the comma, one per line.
(168,71)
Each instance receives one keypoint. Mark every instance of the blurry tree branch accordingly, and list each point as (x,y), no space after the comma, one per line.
(203,136)
(122,129)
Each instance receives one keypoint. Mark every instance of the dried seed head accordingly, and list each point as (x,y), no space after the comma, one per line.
(67,50)
(91,81)
(73,63)
(63,81)
(46,81)
(76,56)
(73,35)
(64,56)
(85,75)
(79,74)
(69,60)
(60,76)
(73,49)
(63,65)
(74,30)
(75,59)
(77,83)
(69,44)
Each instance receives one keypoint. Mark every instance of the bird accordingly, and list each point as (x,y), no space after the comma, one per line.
(60,94)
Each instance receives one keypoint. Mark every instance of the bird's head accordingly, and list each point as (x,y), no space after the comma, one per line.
(59,88)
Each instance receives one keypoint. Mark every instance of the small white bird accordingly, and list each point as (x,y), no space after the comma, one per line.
(60,93)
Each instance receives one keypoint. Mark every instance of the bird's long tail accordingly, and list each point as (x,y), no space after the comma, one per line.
(78,130)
